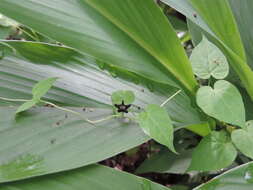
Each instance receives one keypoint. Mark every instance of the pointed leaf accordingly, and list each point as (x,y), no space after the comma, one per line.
(240,177)
(94,177)
(116,32)
(156,123)
(223,29)
(207,60)
(243,139)
(223,102)
(166,162)
(46,134)
(26,106)
(214,152)
(41,88)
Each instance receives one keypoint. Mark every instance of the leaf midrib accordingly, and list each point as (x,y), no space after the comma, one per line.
(140,43)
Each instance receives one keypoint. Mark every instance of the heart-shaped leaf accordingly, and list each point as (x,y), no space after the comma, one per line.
(123,95)
(208,60)
(223,102)
(156,123)
(243,139)
(214,152)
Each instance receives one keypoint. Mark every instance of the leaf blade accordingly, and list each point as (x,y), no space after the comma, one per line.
(41,88)
(214,152)
(156,123)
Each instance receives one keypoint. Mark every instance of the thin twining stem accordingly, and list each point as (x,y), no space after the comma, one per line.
(14,100)
(170,98)
(64,109)
(80,115)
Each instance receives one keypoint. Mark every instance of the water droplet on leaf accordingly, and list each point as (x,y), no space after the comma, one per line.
(249,175)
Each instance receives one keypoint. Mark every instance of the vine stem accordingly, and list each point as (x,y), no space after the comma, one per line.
(65,109)
(80,115)
(14,100)
(170,98)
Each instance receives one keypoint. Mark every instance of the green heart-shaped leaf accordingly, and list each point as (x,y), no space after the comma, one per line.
(243,139)
(208,60)
(214,152)
(156,123)
(224,103)
(123,95)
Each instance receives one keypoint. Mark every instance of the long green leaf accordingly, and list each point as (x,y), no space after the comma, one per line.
(134,44)
(221,25)
(242,12)
(94,177)
(44,135)
(132,16)
(240,177)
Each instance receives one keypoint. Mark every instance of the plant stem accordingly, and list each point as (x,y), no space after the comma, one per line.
(166,101)
(68,110)
(80,115)
(13,100)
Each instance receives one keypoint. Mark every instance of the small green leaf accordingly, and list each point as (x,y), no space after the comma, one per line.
(224,103)
(41,88)
(26,106)
(214,152)
(123,95)
(243,139)
(207,60)
(156,123)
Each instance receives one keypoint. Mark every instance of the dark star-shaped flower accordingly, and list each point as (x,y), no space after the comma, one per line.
(122,107)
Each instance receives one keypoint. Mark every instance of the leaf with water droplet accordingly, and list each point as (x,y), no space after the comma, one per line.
(214,152)
(223,102)
(146,185)
(208,60)
(123,95)
(22,167)
(243,139)
(249,174)
(156,123)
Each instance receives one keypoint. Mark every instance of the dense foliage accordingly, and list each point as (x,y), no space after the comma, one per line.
(85,80)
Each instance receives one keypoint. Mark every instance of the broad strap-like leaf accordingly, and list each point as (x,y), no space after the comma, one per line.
(94,177)
(240,177)
(117,32)
(223,29)
(47,134)
(44,140)
(132,16)
(242,12)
